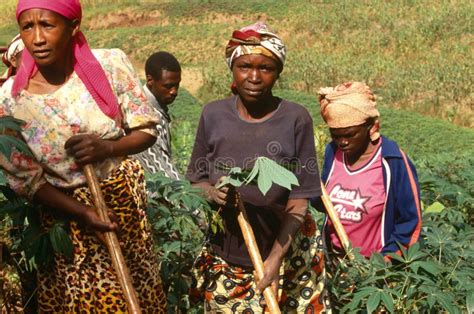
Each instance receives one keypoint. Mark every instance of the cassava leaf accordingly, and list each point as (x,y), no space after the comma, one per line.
(7,142)
(446,300)
(264,181)
(387,301)
(253,173)
(436,207)
(235,170)
(470,301)
(8,122)
(373,302)
(60,240)
(279,175)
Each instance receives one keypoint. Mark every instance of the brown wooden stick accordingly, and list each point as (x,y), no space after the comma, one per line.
(255,256)
(341,233)
(112,243)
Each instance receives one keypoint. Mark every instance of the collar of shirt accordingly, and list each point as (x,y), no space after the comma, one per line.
(155,103)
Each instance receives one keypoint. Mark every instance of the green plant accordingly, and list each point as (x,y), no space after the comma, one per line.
(434,276)
(264,173)
(178,214)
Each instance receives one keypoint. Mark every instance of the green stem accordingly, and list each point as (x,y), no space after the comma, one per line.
(454,268)
(440,251)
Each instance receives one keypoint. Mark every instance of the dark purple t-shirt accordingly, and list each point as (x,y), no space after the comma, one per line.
(224,137)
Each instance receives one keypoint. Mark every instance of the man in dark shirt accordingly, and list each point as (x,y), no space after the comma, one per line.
(163,75)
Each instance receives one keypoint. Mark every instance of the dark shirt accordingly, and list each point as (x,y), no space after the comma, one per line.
(224,137)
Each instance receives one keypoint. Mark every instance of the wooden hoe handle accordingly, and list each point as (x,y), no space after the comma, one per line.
(341,233)
(112,242)
(255,256)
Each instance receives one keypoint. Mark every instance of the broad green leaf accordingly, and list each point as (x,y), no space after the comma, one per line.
(253,173)
(7,143)
(436,207)
(60,240)
(8,122)
(373,302)
(470,301)
(160,224)
(172,247)
(45,253)
(423,279)
(12,207)
(387,301)
(8,192)
(446,300)
(279,174)
(395,257)
(264,181)
(431,300)
(235,170)
(431,267)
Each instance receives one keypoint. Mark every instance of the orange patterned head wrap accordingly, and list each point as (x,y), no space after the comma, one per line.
(349,104)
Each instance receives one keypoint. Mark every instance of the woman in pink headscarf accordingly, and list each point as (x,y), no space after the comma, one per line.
(235,131)
(80,107)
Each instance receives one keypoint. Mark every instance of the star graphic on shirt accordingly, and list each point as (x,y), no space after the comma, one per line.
(359,201)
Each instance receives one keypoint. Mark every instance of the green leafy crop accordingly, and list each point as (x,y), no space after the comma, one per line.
(265,172)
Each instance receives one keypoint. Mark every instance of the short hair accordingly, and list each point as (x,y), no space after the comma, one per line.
(160,61)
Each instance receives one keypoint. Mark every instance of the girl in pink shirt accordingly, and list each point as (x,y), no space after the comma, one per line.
(370,181)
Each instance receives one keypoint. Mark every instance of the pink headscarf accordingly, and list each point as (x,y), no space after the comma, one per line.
(85,64)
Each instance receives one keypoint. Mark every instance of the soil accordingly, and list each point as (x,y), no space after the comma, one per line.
(191,80)
(126,18)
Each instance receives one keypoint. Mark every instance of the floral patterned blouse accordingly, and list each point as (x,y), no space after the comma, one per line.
(51,119)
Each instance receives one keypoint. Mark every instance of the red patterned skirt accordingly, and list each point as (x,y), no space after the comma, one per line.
(231,289)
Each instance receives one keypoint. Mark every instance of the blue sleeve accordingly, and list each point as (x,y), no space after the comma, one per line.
(406,205)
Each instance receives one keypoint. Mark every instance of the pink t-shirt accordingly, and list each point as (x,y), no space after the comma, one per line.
(358,196)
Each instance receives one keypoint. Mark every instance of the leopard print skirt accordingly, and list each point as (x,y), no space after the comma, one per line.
(87,283)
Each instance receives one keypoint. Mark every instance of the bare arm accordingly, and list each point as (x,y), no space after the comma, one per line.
(89,148)
(292,218)
(52,197)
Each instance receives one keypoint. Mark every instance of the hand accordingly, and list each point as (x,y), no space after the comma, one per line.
(88,148)
(271,275)
(90,219)
(218,195)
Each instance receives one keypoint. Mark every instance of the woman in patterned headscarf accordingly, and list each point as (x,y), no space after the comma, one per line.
(371,182)
(81,106)
(235,131)
(11,57)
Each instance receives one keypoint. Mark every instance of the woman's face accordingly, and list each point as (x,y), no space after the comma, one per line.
(254,76)
(47,35)
(353,140)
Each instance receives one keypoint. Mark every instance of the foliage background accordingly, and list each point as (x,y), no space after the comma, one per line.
(416,55)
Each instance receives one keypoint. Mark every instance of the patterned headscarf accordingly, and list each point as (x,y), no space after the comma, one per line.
(9,56)
(85,64)
(255,39)
(14,48)
(349,104)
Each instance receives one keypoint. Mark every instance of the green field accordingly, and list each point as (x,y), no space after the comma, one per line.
(416,55)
